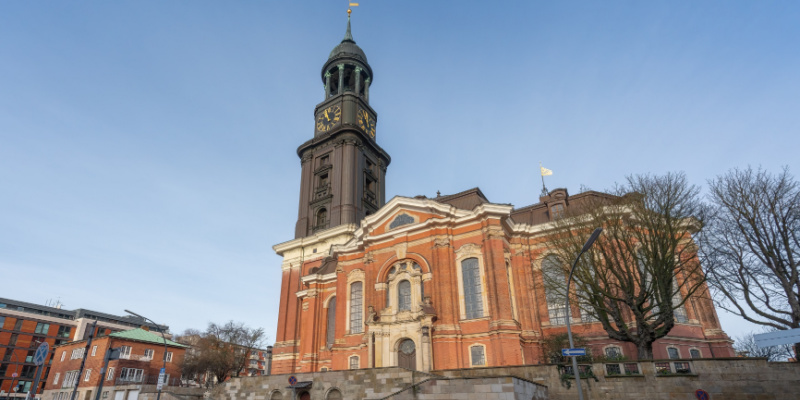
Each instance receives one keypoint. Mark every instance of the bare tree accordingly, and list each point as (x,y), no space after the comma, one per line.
(746,346)
(640,272)
(222,350)
(752,247)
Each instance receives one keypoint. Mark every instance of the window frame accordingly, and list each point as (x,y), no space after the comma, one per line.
(483,356)
(677,350)
(357,362)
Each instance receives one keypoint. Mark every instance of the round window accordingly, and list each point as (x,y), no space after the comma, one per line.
(407,346)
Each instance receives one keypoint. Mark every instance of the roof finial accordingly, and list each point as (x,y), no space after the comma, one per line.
(348,37)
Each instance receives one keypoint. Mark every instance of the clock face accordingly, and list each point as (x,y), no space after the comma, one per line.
(366,122)
(328,118)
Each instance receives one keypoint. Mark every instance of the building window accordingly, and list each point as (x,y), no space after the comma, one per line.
(63,354)
(673,352)
(554,281)
(42,328)
(322,217)
(125,352)
(64,331)
(477,356)
(473,292)
(77,353)
(2,321)
(94,350)
(557,211)
(356,306)
(613,352)
(354,362)
(695,353)
(13,340)
(131,375)
(331,323)
(55,379)
(105,395)
(88,375)
(169,356)
(110,375)
(148,353)
(18,324)
(404,295)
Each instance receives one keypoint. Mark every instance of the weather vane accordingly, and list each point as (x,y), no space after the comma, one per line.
(351,4)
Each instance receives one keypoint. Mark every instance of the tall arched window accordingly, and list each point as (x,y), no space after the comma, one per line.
(404,295)
(322,217)
(554,282)
(331,322)
(356,308)
(473,292)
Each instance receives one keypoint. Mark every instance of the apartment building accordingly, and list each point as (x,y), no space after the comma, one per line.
(24,326)
(140,361)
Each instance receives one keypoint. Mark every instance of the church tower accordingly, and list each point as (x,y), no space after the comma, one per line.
(343,168)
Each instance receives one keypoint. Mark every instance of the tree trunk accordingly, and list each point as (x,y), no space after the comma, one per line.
(645,351)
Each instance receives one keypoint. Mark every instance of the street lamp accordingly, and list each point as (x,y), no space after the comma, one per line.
(164,364)
(586,247)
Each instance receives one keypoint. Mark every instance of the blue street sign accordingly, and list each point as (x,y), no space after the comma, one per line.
(702,394)
(573,352)
(292,380)
(41,354)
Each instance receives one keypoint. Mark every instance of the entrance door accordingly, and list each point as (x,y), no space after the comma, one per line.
(407,355)
(119,395)
(133,395)
(305,396)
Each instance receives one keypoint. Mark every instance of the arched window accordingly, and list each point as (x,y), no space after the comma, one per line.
(554,282)
(322,217)
(354,362)
(673,352)
(331,322)
(276,396)
(473,292)
(404,295)
(356,308)
(477,356)
(613,352)
(334,394)
(695,353)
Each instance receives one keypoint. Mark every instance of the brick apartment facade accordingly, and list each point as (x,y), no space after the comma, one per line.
(140,361)
(423,283)
(23,326)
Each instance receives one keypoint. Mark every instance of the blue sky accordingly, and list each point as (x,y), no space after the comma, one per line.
(147,148)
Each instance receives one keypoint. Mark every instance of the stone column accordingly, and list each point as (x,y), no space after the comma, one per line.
(358,80)
(341,78)
(327,84)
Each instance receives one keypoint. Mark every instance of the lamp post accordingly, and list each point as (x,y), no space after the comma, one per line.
(164,364)
(575,370)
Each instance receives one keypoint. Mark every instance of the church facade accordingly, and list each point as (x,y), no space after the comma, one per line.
(423,283)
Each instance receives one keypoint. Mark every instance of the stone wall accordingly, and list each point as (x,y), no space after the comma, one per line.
(729,379)
(491,388)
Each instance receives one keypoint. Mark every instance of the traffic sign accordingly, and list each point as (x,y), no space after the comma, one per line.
(573,352)
(41,353)
(702,394)
(292,380)
(777,338)
(161,376)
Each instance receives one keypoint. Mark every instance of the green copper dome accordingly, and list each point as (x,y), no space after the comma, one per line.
(348,47)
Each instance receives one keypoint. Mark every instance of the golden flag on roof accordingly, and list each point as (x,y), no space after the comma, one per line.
(545,171)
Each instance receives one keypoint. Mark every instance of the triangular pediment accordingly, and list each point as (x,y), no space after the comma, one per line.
(404,213)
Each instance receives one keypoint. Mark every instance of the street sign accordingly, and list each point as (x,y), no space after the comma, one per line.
(777,338)
(161,376)
(573,352)
(292,380)
(41,354)
(701,394)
